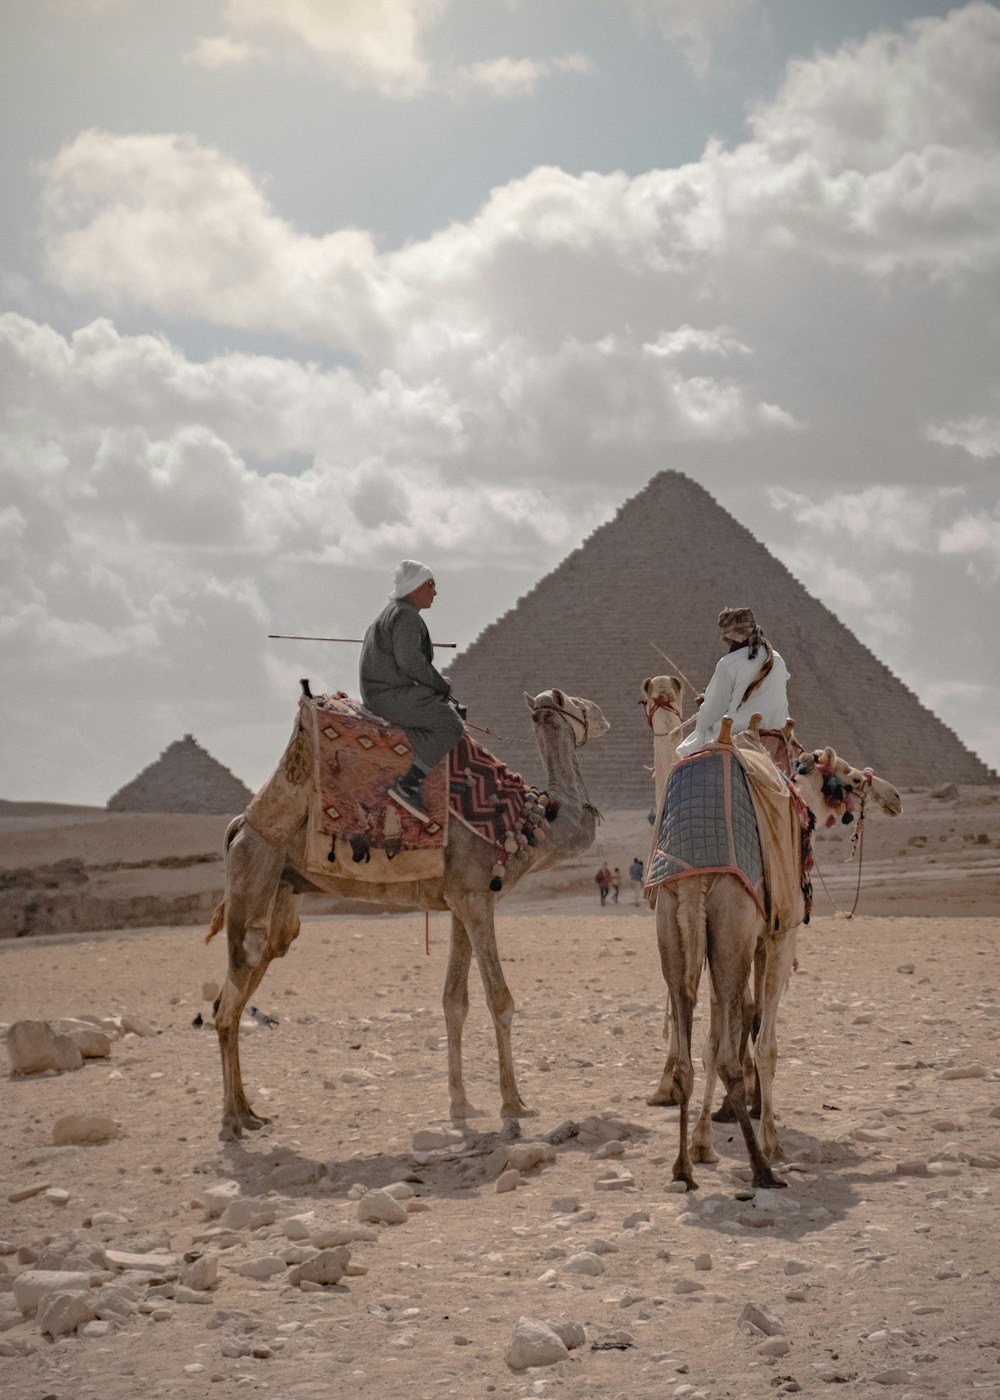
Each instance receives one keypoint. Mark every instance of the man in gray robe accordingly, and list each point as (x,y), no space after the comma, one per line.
(400,683)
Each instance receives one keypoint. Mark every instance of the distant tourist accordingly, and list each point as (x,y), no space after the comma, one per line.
(635,876)
(750,678)
(603,879)
(616,884)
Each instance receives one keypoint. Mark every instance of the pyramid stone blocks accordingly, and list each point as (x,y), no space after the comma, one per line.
(185,778)
(660,572)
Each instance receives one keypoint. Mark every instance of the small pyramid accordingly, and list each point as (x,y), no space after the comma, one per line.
(659,573)
(185,778)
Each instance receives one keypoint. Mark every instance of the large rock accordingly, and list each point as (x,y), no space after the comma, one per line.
(154,1262)
(534,1343)
(329,1266)
(31,1286)
(382,1208)
(84,1128)
(33,1047)
(62,1313)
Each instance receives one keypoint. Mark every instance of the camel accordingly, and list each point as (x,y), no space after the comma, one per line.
(713,917)
(266,875)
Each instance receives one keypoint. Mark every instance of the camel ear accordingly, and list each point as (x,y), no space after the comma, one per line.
(559,697)
(645,686)
(529,700)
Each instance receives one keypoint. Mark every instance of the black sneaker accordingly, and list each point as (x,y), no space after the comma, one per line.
(407,795)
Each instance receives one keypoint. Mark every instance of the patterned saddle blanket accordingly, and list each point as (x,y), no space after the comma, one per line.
(357,831)
(707,825)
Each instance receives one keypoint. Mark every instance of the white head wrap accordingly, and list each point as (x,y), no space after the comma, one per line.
(409,575)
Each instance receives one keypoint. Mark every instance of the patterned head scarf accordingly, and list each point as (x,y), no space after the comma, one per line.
(740,625)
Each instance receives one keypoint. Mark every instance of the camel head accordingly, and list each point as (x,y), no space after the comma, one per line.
(661,696)
(829,783)
(555,707)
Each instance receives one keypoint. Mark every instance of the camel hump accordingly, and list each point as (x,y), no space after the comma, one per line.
(726,731)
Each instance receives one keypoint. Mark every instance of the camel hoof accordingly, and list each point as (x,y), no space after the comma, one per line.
(703,1154)
(725,1113)
(687,1179)
(770,1182)
(461,1111)
(664,1098)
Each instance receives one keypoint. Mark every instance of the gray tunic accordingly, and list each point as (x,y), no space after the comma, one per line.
(400,683)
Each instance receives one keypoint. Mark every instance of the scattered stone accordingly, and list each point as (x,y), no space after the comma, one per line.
(382,1208)
(703,1262)
(534,1343)
(565,1205)
(615,1181)
(634,1218)
(525,1156)
(562,1132)
(25,1193)
(916,1166)
(32,1285)
(59,1314)
(615,1148)
(299,1227)
(428,1139)
(584,1263)
(167,1265)
(216,1198)
(329,1266)
(34,1047)
(895,1375)
(763,1319)
(775,1346)
(246,1212)
(571,1334)
(688,1285)
(796,1266)
(202,1273)
(965,1072)
(83,1129)
(508,1181)
(97,1328)
(134,1025)
(328,1236)
(265,1266)
(57,1196)
(92,1043)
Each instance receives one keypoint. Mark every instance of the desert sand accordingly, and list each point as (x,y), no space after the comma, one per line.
(875,1269)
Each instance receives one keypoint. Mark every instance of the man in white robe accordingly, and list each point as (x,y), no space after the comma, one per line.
(750,679)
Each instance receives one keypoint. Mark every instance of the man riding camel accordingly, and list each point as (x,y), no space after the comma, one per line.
(400,683)
(750,679)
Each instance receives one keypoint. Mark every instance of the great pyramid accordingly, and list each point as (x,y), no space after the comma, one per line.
(659,572)
(185,778)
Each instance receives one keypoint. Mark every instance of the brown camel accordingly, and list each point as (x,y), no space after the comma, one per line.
(266,875)
(713,917)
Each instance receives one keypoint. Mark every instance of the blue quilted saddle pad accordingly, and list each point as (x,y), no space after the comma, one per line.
(707,824)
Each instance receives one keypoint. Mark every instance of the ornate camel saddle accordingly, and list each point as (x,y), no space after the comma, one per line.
(729,810)
(356,830)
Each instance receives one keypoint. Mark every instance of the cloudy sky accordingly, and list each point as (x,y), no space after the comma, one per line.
(290,289)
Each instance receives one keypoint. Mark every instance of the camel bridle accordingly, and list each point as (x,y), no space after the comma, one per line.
(660,702)
(858,836)
(583,720)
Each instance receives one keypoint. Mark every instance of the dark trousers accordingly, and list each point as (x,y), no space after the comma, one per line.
(432,726)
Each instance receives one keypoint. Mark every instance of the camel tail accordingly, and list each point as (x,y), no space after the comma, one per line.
(219,916)
(693,925)
(218,919)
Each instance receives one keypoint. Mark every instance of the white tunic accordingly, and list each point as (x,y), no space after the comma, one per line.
(732,675)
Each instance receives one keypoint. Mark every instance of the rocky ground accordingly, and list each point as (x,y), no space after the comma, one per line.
(203,1261)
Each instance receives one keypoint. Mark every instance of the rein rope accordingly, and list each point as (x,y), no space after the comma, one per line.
(857,849)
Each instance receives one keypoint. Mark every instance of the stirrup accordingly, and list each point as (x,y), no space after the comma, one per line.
(409,800)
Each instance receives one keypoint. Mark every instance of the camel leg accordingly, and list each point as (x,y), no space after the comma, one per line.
(679,939)
(253,872)
(751,1022)
(701,1139)
(668,1091)
(778,967)
(475,911)
(455,1000)
(733,930)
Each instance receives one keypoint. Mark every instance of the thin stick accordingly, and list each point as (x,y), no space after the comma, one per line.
(676,668)
(354,641)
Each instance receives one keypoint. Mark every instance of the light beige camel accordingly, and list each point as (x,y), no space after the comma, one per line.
(266,874)
(713,917)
